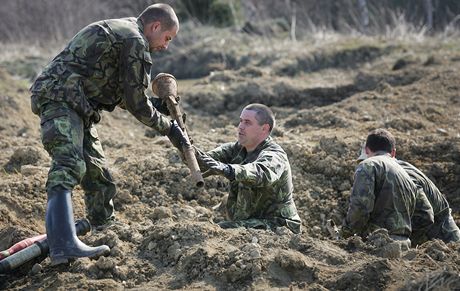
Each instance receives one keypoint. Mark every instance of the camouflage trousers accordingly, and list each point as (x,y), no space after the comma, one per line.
(77,158)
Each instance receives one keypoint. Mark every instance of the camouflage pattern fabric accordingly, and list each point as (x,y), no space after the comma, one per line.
(444,226)
(77,158)
(261,193)
(106,64)
(423,216)
(383,196)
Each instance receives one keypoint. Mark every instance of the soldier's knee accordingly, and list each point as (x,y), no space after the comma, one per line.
(80,169)
(66,174)
(74,167)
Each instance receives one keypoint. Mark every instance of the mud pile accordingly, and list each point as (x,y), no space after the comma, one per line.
(326,102)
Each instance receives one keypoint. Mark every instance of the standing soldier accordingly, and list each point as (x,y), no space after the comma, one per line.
(106,64)
(259,173)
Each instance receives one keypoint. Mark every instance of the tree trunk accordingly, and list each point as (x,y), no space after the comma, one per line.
(364,15)
(428,13)
(293,22)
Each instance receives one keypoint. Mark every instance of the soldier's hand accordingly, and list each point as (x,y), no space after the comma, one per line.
(92,118)
(345,232)
(199,153)
(215,167)
(177,136)
(159,105)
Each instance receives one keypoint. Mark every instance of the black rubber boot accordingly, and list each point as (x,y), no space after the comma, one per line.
(60,229)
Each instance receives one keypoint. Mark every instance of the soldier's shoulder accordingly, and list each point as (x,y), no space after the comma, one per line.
(380,160)
(271,144)
(274,149)
(231,145)
(125,27)
(368,165)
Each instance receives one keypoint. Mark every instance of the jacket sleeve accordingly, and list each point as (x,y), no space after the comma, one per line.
(362,200)
(423,215)
(136,64)
(224,153)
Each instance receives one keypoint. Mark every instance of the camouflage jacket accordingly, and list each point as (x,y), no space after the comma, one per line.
(106,64)
(435,197)
(262,178)
(383,196)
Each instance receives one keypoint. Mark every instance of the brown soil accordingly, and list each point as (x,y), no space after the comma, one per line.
(326,101)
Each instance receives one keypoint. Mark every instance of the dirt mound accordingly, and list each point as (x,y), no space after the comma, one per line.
(326,100)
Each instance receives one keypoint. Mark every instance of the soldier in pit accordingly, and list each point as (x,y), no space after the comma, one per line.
(444,226)
(261,189)
(383,194)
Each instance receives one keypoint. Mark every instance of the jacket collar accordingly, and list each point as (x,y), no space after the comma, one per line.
(140,24)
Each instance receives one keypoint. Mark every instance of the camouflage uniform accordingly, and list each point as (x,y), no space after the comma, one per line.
(106,64)
(444,226)
(261,193)
(383,196)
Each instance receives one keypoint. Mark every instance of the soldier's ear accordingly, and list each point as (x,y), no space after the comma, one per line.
(266,127)
(393,153)
(152,27)
(368,151)
(156,26)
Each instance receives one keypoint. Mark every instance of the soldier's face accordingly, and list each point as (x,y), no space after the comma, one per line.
(250,133)
(158,38)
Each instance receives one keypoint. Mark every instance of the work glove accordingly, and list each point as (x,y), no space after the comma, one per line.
(198,152)
(345,232)
(93,118)
(177,136)
(159,105)
(214,167)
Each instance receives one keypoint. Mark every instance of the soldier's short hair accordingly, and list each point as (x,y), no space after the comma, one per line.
(380,139)
(264,115)
(160,12)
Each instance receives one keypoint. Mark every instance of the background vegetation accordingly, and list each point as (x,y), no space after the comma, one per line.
(42,21)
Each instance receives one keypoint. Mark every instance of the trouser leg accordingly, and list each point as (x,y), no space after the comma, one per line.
(97,183)
(62,137)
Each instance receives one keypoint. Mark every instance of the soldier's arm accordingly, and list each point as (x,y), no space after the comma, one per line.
(265,170)
(225,152)
(423,215)
(136,65)
(362,200)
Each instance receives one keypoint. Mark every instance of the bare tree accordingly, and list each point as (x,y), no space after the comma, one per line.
(428,14)
(364,15)
(293,7)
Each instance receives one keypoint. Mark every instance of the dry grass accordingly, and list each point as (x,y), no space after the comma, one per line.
(58,20)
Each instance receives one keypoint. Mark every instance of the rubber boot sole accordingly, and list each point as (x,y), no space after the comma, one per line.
(63,259)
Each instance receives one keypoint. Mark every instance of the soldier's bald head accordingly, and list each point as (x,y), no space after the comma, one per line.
(160,12)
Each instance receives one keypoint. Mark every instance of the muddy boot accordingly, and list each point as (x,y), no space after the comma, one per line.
(60,229)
